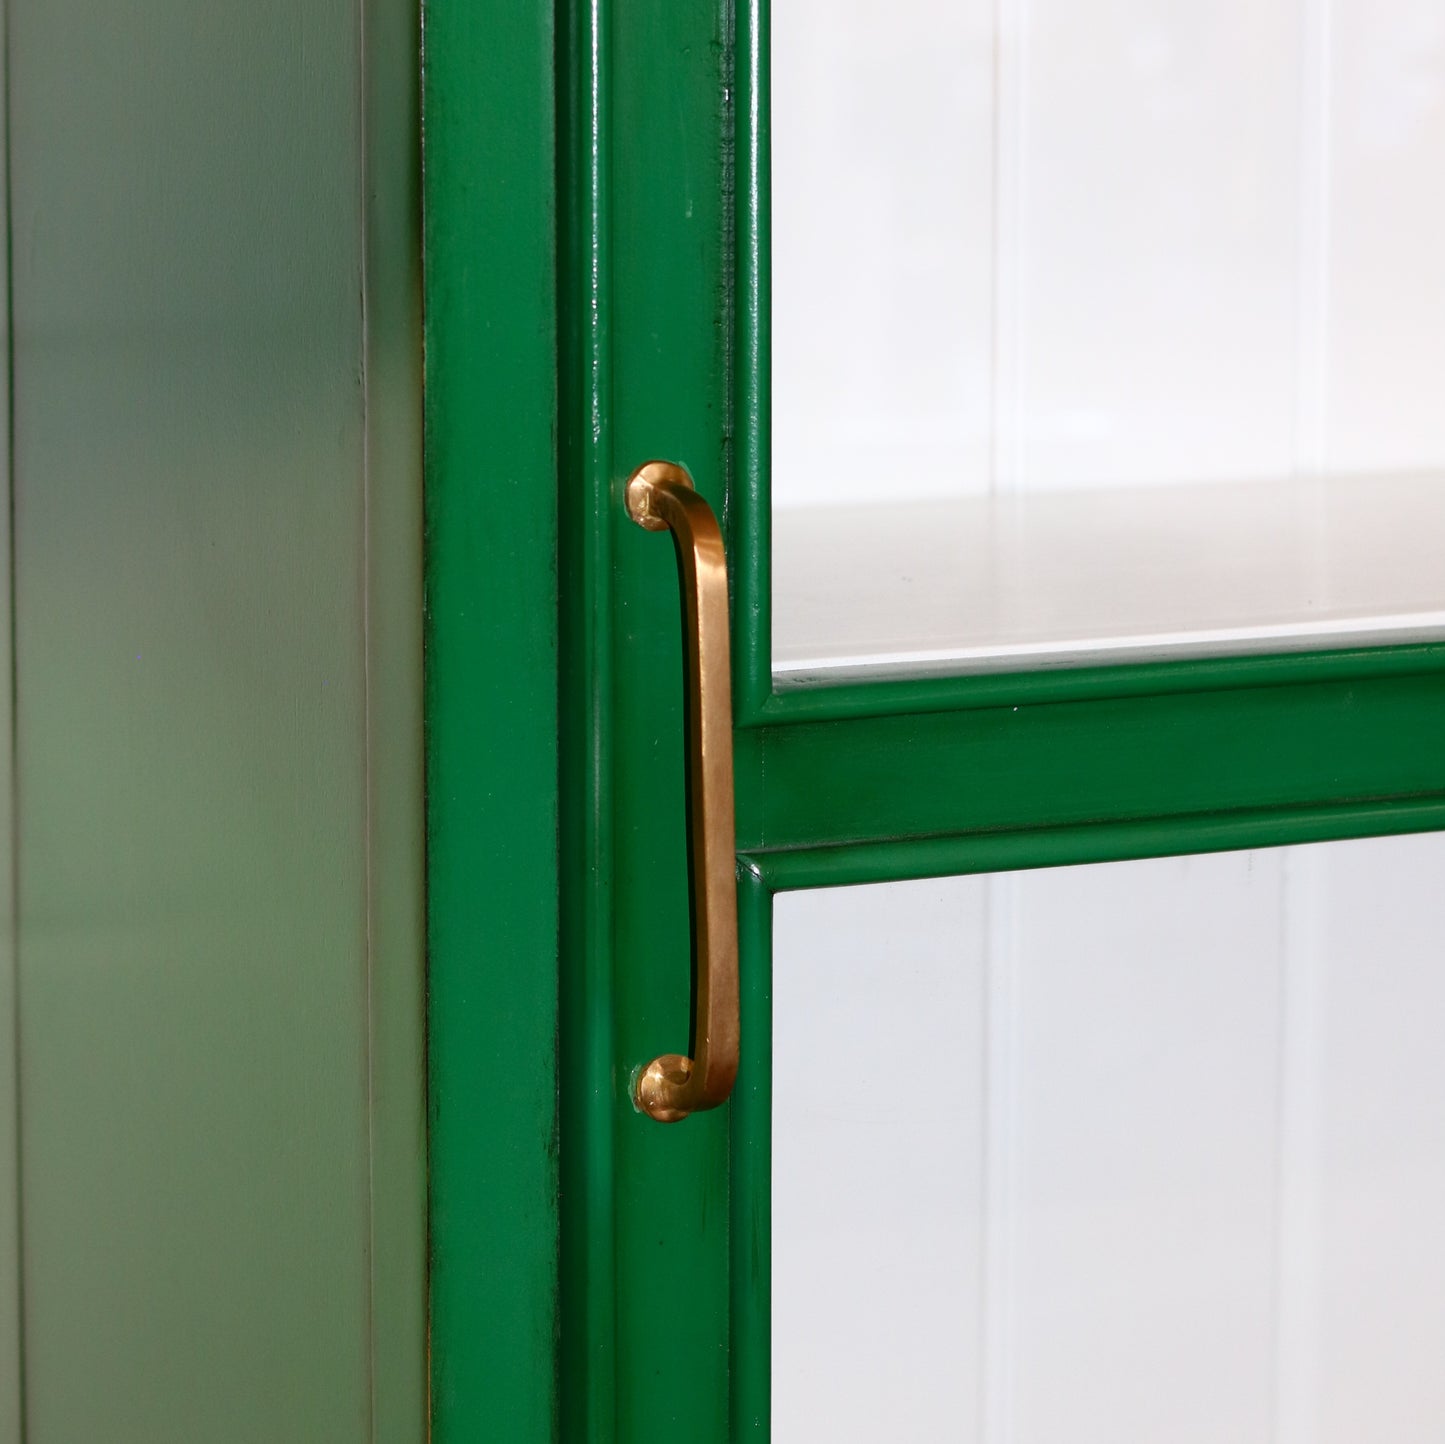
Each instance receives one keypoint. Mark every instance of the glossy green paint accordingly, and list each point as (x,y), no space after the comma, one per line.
(215,395)
(644,373)
(830,701)
(661,350)
(899,859)
(491,694)
(750,379)
(1061,764)
(587,1265)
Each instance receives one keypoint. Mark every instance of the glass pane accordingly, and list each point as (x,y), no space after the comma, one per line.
(1119,1153)
(1105,330)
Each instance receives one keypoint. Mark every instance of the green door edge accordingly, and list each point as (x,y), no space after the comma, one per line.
(491,689)
(396,870)
(392,1399)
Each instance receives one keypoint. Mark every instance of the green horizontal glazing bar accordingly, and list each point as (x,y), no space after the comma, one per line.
(913,776)
(870,862)
(825,700)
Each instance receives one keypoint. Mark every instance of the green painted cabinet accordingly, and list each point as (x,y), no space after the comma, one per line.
(325,972)
(597,253)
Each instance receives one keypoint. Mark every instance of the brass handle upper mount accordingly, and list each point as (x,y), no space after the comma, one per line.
(661,497)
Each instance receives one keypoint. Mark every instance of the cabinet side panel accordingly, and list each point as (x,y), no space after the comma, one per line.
(191,654)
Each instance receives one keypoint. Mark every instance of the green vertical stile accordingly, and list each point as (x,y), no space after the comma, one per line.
(491,691)
(749,507)
(750,510)
(670,234)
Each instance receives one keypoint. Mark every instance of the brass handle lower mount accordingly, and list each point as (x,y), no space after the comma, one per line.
(660,497)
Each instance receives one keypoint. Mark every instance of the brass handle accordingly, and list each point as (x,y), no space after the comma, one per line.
(660,497)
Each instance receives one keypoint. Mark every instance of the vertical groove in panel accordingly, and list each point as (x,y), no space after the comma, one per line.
(1145,1140)
(189,587)
(1301,1099)
(368,823)
(1387,137)
(491,273)
(1006,451)
(894,106)
(588,1017)
(1312,338)
(876,1247)
(1160,251)
(1380,1319)
(1000,1011)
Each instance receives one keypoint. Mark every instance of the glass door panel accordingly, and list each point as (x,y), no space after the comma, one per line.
(1104,331)
(1123,1152)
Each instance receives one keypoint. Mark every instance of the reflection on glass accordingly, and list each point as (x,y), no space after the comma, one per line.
(1103,329)
(1120,1153)
(192,414)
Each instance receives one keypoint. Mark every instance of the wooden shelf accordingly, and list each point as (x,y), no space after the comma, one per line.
(1075,577)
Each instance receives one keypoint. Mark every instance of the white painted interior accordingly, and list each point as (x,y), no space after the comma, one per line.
(1050,578)
(1043,248)
(1110,330)
(1121,1153)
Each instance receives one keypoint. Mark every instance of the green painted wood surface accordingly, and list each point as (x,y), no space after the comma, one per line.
(587,1263)
(750,1179)
(217,650)
(655,339)
(750,377)
(645,361)
(492,718)
(997,769)
(12,1402)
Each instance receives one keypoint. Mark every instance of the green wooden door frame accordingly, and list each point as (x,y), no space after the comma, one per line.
(491,690)
(596,261)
